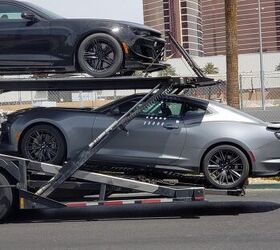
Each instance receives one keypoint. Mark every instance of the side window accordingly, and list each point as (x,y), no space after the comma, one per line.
(124,107)
(193,112)
(165,109)
(10,12)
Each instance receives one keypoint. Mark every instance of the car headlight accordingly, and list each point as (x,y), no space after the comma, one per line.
(139,32)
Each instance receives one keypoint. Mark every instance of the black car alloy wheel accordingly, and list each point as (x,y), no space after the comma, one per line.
(100,55)
(226,166)
(43,143)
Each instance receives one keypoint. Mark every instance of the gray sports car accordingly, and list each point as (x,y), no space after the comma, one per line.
(174,134)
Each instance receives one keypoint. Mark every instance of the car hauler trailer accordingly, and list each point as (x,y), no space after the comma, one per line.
(17,187)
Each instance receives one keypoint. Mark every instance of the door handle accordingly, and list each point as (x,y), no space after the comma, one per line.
(171,126)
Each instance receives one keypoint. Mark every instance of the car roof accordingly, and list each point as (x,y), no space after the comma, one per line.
(187,99)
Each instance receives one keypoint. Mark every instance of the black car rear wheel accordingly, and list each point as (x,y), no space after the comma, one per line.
(226,167)
(100,55)
(43,143)
(6,198)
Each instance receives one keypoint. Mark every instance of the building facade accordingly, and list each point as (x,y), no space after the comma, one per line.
(214,34)
(181,18)
(199,25)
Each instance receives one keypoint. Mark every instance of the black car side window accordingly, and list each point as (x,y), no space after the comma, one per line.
(10,12)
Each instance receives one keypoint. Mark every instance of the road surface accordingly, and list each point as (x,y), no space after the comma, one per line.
(251,222)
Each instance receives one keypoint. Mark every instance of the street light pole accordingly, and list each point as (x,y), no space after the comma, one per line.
(261,55)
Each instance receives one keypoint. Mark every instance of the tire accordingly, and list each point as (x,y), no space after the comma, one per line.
(226,167)
(6,198)
(43,143)
(97,52)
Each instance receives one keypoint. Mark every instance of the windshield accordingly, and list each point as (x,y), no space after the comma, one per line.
(44,11)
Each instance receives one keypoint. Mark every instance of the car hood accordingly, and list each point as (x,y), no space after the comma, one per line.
(112,22)
(21,112)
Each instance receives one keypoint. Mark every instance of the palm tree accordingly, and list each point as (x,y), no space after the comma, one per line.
(210,69)
(277,67)
(233,95)
(169,71)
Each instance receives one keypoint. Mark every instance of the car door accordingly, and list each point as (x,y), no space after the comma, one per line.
(23,43)
(155,137)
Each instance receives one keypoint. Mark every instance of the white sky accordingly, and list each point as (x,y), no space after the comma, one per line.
(128,10)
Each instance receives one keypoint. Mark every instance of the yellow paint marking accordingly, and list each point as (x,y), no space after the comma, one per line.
(21,203)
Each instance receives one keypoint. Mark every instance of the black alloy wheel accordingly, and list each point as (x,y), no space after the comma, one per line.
(100,55)
(43,143)
(226,167)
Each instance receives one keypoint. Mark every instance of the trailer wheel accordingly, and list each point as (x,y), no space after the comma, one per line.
(6,198)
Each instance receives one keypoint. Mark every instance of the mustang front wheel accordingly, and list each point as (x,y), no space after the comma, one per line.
(226,167)
(100,55)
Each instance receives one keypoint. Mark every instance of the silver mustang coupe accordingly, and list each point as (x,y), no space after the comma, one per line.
(180,134)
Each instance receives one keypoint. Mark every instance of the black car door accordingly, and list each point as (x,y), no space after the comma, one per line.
(23,43)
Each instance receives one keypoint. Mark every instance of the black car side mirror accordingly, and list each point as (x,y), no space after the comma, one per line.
(29,16)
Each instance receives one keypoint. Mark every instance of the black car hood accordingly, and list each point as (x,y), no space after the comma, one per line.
(117,22)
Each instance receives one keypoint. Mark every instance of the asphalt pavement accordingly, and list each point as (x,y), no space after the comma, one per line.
(250,222)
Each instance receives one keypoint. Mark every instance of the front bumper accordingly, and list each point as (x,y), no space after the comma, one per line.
(149,67)
(148,49)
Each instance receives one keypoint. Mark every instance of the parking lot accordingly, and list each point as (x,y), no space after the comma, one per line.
(250,222)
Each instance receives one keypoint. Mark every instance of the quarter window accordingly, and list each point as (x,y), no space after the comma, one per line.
(193,112)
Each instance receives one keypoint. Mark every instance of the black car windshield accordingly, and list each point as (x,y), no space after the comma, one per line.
(43,11)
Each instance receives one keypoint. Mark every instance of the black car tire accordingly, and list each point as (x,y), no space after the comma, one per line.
(100,40)
(56,146)
(226,167)
(6,198)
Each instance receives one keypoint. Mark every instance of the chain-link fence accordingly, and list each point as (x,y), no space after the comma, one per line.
(250,96)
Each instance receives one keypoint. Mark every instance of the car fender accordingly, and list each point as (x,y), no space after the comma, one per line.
(18,131)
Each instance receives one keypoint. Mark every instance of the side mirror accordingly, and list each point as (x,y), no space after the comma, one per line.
(114,112)
(29,16)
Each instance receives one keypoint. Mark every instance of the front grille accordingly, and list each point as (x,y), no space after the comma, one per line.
(146,49)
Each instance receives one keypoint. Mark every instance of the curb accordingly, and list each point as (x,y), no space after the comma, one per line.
(264,186)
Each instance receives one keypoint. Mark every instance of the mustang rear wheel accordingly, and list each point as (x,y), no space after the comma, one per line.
(100,55)
(43,143)
(226,167)
(6,198)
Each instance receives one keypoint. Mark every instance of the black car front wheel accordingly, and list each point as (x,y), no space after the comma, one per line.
(226,167)
(43,143)
(100,55)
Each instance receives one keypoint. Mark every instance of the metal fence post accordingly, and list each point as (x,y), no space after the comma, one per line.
(241,91)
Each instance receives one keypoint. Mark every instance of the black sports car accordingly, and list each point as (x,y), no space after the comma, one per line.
(35,40)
